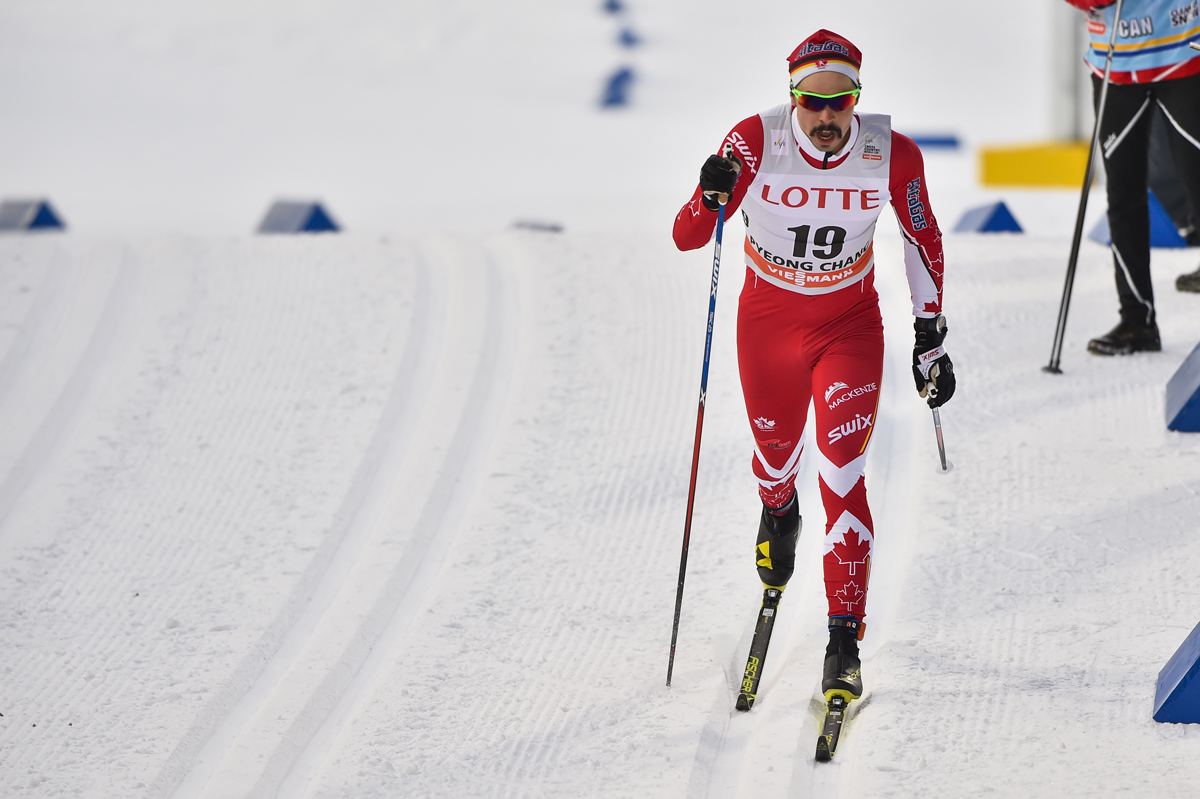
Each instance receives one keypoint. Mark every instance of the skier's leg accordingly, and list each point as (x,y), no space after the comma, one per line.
(776,383)
(846,380)
(846,383)
(1124,132)
(1180,103)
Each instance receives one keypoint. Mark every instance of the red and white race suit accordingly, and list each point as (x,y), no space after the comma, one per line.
(809,326)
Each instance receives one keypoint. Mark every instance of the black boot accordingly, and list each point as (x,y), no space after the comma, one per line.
(1188,282)
(843,669)
(1126,338)
(775,550)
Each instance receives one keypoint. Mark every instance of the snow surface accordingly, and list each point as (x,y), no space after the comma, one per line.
(398,512)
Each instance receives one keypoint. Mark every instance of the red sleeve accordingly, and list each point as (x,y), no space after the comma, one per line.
(923,240)
(694,224)
(1088,5)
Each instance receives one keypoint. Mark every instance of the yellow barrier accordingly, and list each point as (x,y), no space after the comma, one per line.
(1058,165)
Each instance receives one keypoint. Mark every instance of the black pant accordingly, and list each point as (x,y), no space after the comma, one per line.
(1124,135)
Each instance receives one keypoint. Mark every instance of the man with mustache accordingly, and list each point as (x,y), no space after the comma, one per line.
(811,178)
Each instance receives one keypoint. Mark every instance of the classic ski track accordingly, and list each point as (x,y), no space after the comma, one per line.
(189,770)
(233,385)
(370,582)
(43,444)
(528,713)
(413,580)
(730,736)
(732,759)
(32,325)
(627,476)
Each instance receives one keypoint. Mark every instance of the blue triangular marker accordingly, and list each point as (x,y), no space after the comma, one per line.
(45,218)
(1183,395)
(994,218)
(29,215)
(297,217)
(1163,232)
(319,221)
(1100,233)
(1177,697)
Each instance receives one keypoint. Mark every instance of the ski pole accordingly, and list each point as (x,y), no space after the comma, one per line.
(937,428)
(687,524)
(1061,328)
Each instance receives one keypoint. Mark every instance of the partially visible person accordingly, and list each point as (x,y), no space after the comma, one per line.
(1152,67)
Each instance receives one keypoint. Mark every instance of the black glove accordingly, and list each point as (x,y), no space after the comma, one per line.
(718,176)
(932,369)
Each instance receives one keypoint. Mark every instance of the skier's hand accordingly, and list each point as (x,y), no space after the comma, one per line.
(932,369)
(718,177)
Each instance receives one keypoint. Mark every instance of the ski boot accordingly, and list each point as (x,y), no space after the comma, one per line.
(843,670)
(1189,281)
(775,550)
(1127,338)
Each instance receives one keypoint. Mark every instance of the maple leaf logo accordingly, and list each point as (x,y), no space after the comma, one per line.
(853,555)
(851,596)
(763,423)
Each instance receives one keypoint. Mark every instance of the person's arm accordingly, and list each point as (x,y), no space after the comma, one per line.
(922,238)
(1088,5)
(933,371)
(694,224)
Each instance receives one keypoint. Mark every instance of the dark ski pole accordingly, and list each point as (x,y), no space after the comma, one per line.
(687,524)
(1061,328)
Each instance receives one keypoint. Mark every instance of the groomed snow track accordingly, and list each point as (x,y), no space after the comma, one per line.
(323,517)
(350,516)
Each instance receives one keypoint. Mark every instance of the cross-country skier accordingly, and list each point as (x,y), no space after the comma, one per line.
(811,177)
(1152,67)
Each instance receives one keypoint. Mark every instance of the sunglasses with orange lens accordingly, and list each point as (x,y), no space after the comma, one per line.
(812,101)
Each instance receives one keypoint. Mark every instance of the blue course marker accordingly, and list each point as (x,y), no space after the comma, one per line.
(994,218)
(616,91)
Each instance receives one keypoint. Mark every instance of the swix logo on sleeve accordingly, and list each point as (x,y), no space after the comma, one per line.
(744,152)
(859,422)
(916,208)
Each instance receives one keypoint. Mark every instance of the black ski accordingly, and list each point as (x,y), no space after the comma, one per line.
(828,740)
(758,648)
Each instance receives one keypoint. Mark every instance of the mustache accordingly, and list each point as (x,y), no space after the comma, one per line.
(834,129)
